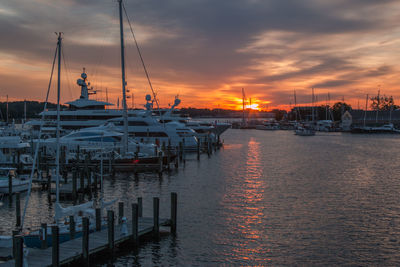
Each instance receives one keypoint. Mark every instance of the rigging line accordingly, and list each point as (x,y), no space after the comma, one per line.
(38,143)
(67,70)
(141,59)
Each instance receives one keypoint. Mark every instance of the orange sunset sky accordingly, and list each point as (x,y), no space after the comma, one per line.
(206,51)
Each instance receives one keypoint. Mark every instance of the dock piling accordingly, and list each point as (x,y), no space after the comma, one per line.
(174,206)
(19,251)
(55,246)
(71,227)
(98,219)
(140,207)
(156,213)
(10,188)
(85,241)
(43,229)
(120,212)
(110,226)
(18,209)
(135,224)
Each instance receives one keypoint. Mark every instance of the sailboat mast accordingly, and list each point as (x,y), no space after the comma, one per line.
(243,97)
(58,120)
(125,112)
(366,109)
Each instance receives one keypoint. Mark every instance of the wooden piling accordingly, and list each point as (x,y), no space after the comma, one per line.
(43,229)
(10,191)
(135,224)
(140,207)
(14,242)
(85,241)
(160,161)
(55,255)
(19,251)
(71,227)
(18,209)
(74,185)
(156,213)
(110,226)
(98,219)
(198,149)
(174,207)
(120,212)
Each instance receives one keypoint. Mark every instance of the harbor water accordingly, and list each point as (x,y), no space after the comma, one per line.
(267,198)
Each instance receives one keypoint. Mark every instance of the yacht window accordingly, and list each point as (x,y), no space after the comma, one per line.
(137,123)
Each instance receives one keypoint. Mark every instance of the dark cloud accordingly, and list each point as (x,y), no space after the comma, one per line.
(203,45)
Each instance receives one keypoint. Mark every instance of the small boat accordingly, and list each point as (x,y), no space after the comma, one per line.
(18,184)
(268,126)
(304,131)
(387,128)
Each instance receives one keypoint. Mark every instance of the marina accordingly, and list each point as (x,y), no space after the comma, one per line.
(148,133)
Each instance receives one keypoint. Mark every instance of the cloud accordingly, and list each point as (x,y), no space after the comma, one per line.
(206,50)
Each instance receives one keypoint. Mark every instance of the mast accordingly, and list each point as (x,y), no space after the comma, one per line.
(58,119)
(7,110)
(125,112)
(24,110)
(243,100)
(366,108)
(377,108)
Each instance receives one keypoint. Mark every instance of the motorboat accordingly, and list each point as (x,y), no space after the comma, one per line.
(18,184)
(304,131)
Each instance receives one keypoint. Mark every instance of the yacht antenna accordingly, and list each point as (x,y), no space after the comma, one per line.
(58,120)
(125,112)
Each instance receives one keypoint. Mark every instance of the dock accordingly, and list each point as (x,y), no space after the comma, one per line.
(83,250)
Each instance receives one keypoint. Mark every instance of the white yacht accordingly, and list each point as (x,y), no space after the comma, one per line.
(202,128)
(105,137)
(145,128)
(81,113)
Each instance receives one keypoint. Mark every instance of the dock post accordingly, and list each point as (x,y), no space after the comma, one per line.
(10,191)
(98,219)
(135,224)
(85,241)
(19,251)
(71,227)
(174,207)
(18,209)
(160,161)
(74,174)
(48,176)
(120,211)
(15,233)
(43,229)
(140,207)
(198,149)
(110,226)
(82,181)
(180,151)
(55,255)
(156,213)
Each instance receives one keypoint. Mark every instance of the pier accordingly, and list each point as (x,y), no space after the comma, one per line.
(105,240)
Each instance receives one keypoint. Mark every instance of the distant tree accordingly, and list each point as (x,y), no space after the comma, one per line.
(279,114)
(339,108)
(382,103)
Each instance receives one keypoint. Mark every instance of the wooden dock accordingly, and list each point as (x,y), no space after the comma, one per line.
(72,251)
(84,249)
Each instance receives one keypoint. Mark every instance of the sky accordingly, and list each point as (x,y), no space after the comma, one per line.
(205,51)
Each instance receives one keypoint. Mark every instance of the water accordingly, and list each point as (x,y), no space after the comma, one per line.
(270,198)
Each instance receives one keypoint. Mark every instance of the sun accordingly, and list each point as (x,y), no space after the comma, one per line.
(253,107)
